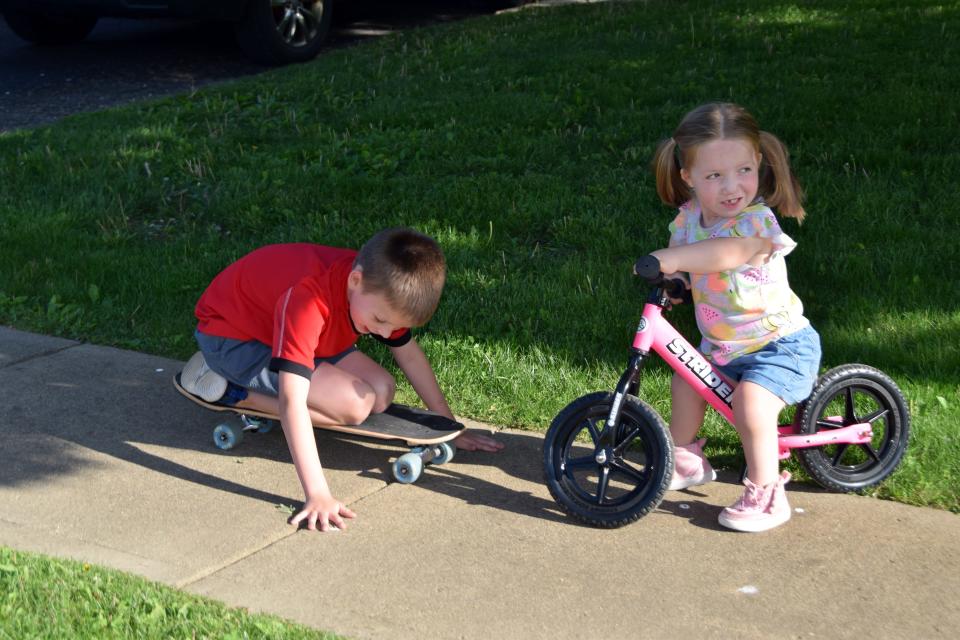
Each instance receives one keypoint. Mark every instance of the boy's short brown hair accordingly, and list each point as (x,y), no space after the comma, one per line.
(407,268)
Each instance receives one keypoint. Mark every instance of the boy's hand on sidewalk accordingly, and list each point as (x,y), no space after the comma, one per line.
(476,441)
(322,510)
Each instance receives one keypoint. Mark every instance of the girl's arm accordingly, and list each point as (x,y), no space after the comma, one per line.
(711,256)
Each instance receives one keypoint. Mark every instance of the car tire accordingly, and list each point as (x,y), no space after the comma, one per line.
(284,31)
(49,27)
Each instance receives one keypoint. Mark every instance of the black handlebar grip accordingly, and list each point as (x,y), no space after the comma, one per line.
(648,268)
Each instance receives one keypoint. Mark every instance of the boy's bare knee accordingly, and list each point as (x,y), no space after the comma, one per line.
(385,388)
(358,409)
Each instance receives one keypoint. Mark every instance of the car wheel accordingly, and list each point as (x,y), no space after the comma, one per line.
(49,27)
(283,31)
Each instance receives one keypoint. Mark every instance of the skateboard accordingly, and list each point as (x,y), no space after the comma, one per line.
(430,435)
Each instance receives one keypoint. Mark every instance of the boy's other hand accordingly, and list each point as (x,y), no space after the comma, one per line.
(476,441)
(322,511)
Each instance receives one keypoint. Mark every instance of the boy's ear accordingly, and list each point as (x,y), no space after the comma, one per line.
(355,279)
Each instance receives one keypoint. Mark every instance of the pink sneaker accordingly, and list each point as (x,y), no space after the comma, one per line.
(759,508)
(690,467)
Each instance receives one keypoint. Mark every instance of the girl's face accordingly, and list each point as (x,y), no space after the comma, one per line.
(724,177)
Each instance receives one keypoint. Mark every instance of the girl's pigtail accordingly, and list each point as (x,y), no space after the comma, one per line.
(666,168)
(778,186)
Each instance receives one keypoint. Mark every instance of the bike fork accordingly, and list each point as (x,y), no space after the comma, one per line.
(626,386)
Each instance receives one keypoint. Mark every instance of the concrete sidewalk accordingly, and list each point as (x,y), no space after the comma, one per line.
(103,461)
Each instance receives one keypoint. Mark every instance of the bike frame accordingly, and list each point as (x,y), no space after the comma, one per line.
(655,333)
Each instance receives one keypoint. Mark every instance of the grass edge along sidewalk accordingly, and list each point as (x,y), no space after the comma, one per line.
(57,598)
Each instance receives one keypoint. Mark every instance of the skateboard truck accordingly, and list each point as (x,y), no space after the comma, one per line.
(409,466)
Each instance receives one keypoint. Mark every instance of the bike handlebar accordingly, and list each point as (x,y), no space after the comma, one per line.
(648,268)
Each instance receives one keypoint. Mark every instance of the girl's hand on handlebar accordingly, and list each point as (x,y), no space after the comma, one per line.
(677,286)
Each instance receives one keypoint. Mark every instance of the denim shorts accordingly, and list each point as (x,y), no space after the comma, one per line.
(247,363)
(787,367)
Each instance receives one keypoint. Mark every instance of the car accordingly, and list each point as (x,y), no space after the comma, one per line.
(268,31)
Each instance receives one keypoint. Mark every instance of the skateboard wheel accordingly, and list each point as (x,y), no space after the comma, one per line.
(407,468)
(226,436)
(266,426)
(447,451)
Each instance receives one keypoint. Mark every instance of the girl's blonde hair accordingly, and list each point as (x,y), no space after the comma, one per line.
(720,121)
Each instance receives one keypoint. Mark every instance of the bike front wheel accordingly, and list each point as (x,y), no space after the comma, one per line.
(854,394)
(607,486)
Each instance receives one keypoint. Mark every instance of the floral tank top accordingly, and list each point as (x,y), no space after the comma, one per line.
(741,310)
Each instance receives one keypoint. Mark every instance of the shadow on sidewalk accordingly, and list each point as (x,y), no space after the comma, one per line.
(510,480)
(86,399)
(81,403)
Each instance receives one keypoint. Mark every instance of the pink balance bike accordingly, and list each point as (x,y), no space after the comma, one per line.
(608,457)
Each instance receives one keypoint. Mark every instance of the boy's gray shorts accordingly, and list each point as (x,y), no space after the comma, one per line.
(246,363)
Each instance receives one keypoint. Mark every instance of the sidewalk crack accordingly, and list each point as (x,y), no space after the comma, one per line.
(250,552)
(42,354)
(229,562)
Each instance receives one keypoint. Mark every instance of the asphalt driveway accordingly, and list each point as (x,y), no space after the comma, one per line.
(124,61)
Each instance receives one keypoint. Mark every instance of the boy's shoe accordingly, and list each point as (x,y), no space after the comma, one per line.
(201,380)
(690,467)
(759,508)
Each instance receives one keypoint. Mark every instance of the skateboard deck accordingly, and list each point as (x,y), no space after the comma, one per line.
(428,433)
(399,422)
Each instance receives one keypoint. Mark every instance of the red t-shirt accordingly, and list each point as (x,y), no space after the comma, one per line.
(290,296)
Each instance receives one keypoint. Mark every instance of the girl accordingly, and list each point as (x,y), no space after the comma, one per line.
(724,174)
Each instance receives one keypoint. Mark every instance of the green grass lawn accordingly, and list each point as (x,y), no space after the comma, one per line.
(62,599)
(522,143)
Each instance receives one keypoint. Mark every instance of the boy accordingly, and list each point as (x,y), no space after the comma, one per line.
(277,330)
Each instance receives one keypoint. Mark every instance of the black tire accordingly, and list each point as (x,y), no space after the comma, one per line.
(284,31)
(847,395)
(49,27)
(633,478)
